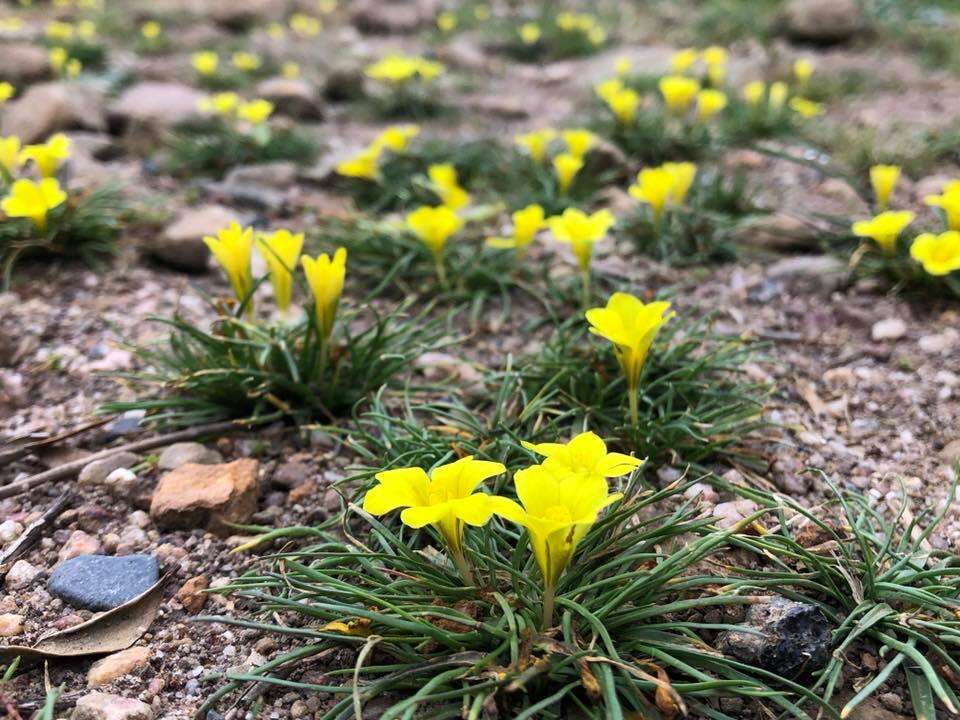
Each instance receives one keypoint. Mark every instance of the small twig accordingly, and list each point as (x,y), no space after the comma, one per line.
(64,701)
(72,468)
(28,447)
(32,533)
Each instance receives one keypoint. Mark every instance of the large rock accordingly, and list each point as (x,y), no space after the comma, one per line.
(106,670)
(23,63)
(102,582)
(154,106)
(777,231)
(209,496)
(181,244)
(823,21)
(104,706)
(20,575)
(10,624)
(392,17)
(292,97)
(241,14)
(53,107)
(345,81)
(789,638)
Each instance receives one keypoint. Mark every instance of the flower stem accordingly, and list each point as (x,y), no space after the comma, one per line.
(585,288)
(548,594)
(634,410)
(441,271)
(461,562)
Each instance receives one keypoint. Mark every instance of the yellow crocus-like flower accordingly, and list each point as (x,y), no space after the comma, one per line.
(232,247)
(581,232)
(939,254)
(622,66)
(276,31)
(566,166)
(653,187)
(396,137)
(87,29)
(325,276)
(753,92)
(597,35)
(73,68)
(777,97)
(255,112)
(10,158)
(709,103)
(681,174)
(281,251)
(58,59)
(205,62)
(631,325)
(715,58)
(536,142)
(56,30)
(222,103)
(682,60)
(530,33)
(290,70)
(150,30)
(443,176)
(446,498)
(327,6)
(363,165)
(433,226)
(34,201)
(48,156)
(678,93)
(585,455)
(884,229)
(446,21)
(246,61)
(608,88)
(805,108)
(399,69)
(305,25)
(526,223)
(802,72)
(883,178)
(949,202)
(623,104)
(6,92)
(579,141)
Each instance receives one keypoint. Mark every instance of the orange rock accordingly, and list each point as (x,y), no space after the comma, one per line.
(111,667)
(301,491)
(191,595)
(207,496)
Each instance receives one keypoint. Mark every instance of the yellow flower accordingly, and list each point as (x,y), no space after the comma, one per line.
(653,187)
(246,61)
(715,58)
(28,199)
(6,92)
(802,72)
(753,92)
(579,141)
(884,228)
(608,88)
(255,111)
(428,69)
(327,6)
(87,29)
(678,92)
(205,62)
(526,224)
(231,248)
(536,142)
(883,178)
(566,166)
(305,25)
(777,96)
(623,104)
(223,103)
(581,231)
(482,12)
(445,498)
(10,159)
(56,30)
(682,60)
(622,66)
(58,59)
(73,68)
(939,254)
(290,70)
(805,108)
(530,33)
(709,103)
(446,21)
(325,277)
(151,30)
(444,179)
(396,137)
(276,31)
(433,226)
(399,69)
(597,35)
(631,325)
(280,250)
(49,156)
(949,202)
(682,175)
(586,456)
(363,165)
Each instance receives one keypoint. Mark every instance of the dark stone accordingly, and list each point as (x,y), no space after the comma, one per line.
(789,638)
(102,582)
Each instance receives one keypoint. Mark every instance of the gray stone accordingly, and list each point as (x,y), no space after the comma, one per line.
(344,82)
(23,63)
(807,266)
(102,582)
(777,231)
(278,175)
(125,424)
(292,97)
(392,17)
(173,456)
(154,106)
(52,107)
(181,244)
(96,472)
(823,21)
(106,706)
(888,329)
(20,575)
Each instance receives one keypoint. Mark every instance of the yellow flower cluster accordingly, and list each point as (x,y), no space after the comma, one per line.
(714,59)
(366,164)
(401,69)
(584,23)
(566,164)
(62,64)
(231,106)
(663,187)
(776,96)
(27,198)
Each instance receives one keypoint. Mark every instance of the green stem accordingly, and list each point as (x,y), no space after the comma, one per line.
(549,591)
(441,271)
(461,562)
(585,288)
(634,410)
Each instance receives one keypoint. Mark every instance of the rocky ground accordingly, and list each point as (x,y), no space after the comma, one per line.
(867,383)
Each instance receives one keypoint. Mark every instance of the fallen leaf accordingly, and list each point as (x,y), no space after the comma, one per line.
(357,627)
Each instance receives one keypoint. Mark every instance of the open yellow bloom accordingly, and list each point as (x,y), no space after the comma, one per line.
(6,92)
(396,137)
(530,33)
(709,103)
(363,165)
(150,30)
(623,104)
(28,199)
(884,228)
(445,498)
(205,62)
(883,178)
(585,455)
(581,232)
(608,88)
(802,72)
(325,277)
(290,70)
(753,92)
(622,66)
(255,111)
(57,30)
(280,250)
(579,141)
(678,92)
(433,226)
(231,248)
(949,202)
(399,69)
(778,96)
(222,103)
(246,61)
(48,156)
(58,59)
(805,108)
(526,224)
(653,187)
(939,254)
(10,159)
(566,166)
(446,21)
(682,174)
(536,142)
(443,176)
(631,325)
(682,60)
(715,58)
(305,25)
(87,29)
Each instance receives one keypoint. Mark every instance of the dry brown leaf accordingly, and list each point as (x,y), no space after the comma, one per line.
(357,627)
(588,680)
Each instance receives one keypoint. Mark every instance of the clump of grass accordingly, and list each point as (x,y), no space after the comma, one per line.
(655,138)
(547,34)
(84,227)
(240,369)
